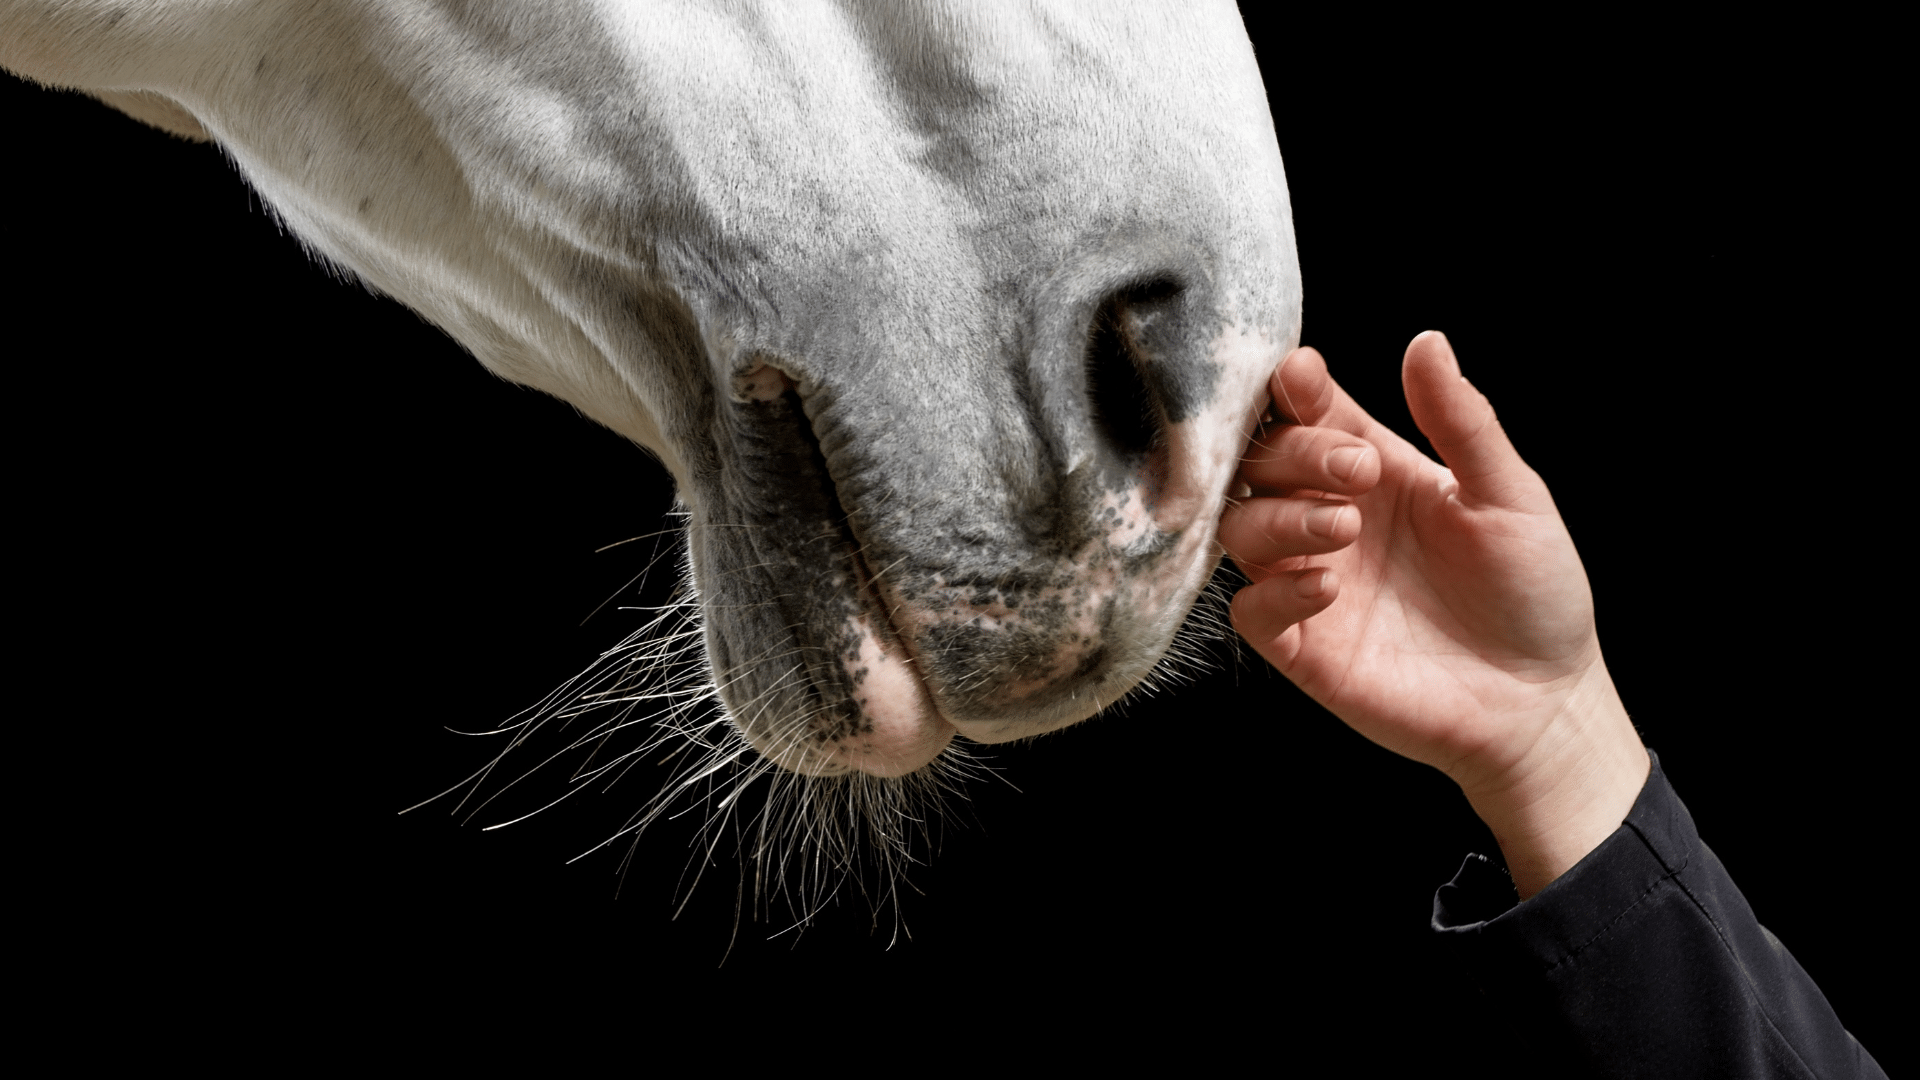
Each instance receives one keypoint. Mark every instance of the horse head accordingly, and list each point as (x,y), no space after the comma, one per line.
(950,320)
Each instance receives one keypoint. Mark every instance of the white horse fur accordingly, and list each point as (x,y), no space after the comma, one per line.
(950,320)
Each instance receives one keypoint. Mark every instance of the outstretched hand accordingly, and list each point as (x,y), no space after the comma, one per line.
(1440,611)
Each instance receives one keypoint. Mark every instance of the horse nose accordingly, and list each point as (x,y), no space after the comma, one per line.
(1116,532)
(1117,398)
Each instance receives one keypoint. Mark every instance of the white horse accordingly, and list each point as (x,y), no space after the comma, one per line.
(950,320)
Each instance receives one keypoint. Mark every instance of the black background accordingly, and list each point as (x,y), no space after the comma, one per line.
(275,536)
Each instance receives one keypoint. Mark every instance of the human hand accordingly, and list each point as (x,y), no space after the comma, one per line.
(1442,612)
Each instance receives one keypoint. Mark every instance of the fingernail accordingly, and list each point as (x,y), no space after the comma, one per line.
(1310,584)
(1323,520)
(1345,462)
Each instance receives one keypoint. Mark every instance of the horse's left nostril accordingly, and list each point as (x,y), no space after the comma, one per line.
(1124,412)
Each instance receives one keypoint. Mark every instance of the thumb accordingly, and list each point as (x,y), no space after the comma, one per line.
(1460,423)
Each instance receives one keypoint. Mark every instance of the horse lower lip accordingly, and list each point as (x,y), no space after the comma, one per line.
(906,729)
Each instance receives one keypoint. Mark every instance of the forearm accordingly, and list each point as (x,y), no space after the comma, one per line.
(1568,790)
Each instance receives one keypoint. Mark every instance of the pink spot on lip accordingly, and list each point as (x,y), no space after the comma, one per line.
(906,730)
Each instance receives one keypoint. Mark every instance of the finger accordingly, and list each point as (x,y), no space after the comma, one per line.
(1460,422)
(1305,394)
(1301,388)
(1262,531)
(1264,611)
(1319,459)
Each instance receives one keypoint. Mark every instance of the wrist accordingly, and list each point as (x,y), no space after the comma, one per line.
(1570,790)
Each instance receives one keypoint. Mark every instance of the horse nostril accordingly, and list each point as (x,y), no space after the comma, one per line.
(1123,409)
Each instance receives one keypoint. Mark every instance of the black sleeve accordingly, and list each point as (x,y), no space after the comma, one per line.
(1643,961)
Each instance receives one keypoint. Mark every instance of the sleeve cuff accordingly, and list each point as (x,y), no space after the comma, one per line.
(1654,843)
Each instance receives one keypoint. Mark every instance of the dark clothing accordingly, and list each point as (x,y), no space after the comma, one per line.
(1644,961)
